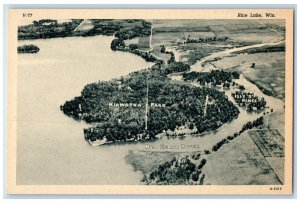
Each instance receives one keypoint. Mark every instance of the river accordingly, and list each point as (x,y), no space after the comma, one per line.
(51,146)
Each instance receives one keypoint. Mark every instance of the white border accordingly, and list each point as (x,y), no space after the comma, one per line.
(166,2)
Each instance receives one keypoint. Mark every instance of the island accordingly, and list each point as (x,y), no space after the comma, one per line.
(28,49)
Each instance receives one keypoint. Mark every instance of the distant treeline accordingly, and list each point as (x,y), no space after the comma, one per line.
(28,49)
(43,29)
(182,29)
(122,29)
(206,39)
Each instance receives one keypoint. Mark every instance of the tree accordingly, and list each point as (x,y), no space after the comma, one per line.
(36,23)
(202,163)
(133,46)
(172,59)
(163,49)
(195,176)
(117,43)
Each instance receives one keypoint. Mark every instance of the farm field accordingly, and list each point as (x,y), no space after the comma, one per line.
(263,29)
(270,142)
(216,23)
(220,35)
(253,38)
(276,121)
(241,162)
(277,163)
(144,43)
(166,38)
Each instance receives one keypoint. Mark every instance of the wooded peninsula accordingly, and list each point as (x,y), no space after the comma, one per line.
(184,105)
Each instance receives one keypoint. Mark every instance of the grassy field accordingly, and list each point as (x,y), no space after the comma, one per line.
(166,38)
(163,38)
(277,163)
(131,41)
(196,51)
(196,35)
(148,161)
(252,38)
(268,74)
(241,162)
(144,43)
(156,51)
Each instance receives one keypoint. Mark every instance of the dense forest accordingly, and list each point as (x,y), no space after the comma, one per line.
(183,103)
(47,29)
(215,77)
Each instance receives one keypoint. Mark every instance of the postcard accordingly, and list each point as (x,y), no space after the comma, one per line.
(150,101)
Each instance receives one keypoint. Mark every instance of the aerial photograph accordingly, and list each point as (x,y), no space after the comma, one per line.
(151,102)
